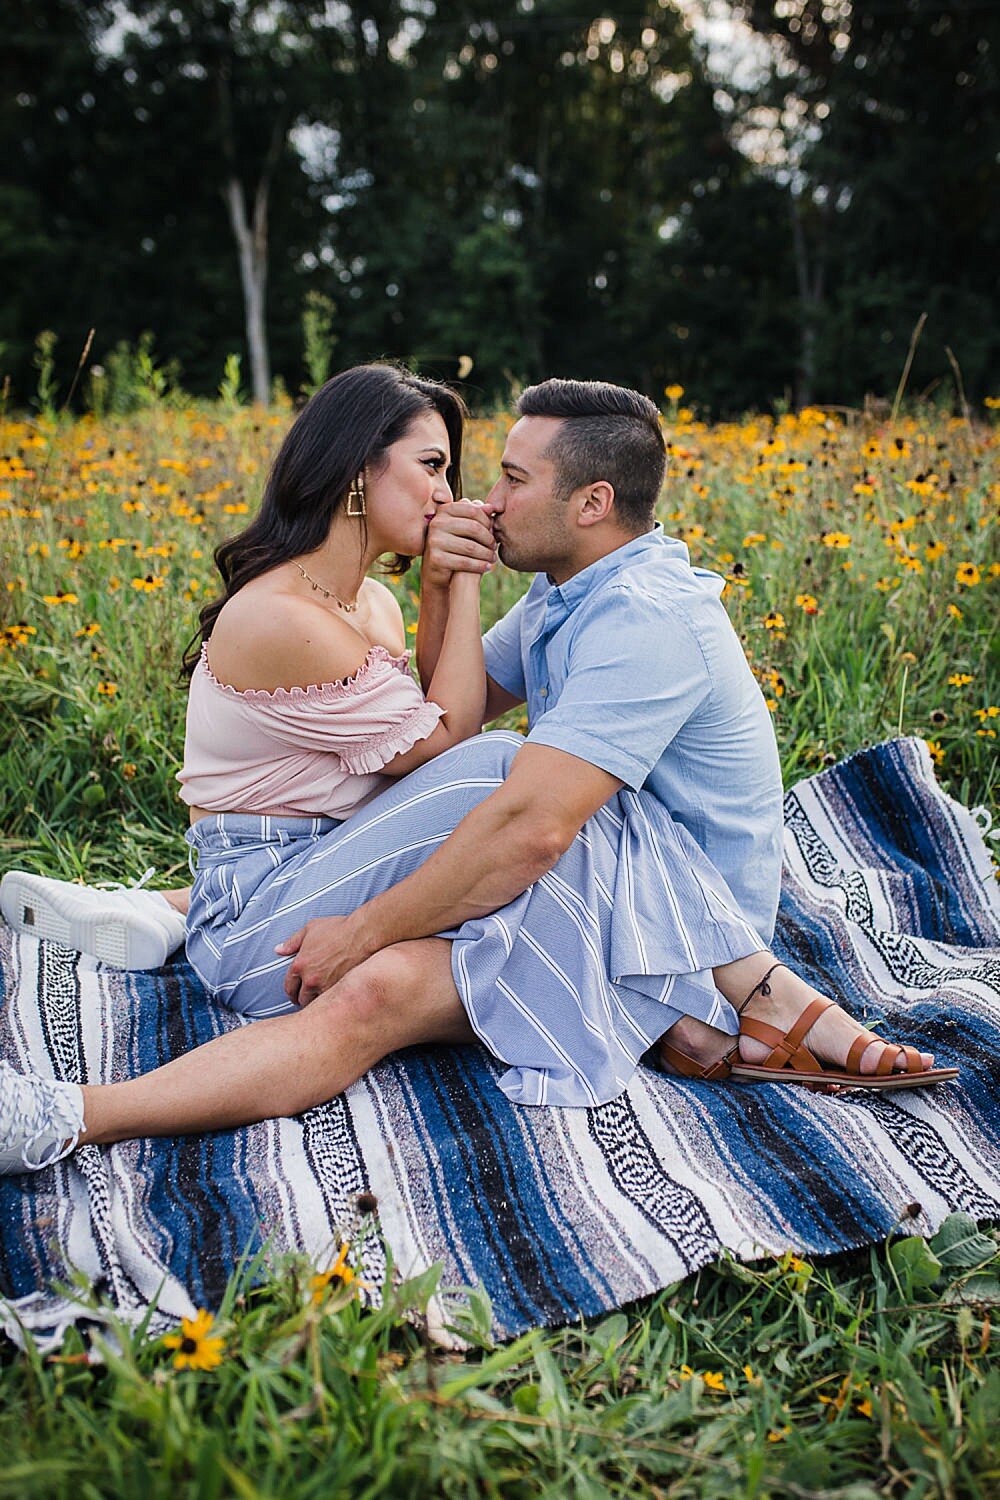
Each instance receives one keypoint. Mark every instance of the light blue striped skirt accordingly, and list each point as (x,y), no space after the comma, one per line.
(568,985)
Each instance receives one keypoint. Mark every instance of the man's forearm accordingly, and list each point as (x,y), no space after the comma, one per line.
(495,853)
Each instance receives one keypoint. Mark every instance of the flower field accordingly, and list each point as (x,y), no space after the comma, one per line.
(862,576)
(861,567)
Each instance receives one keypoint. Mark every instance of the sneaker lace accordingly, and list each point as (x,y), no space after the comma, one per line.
(36,1108)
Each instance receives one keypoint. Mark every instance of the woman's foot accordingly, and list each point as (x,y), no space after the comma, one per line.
(41,1120)
(777,998)
(129,929)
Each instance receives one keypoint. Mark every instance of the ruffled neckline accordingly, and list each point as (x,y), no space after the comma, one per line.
(316,692)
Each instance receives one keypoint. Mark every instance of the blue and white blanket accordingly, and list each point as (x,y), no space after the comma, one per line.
(889,900)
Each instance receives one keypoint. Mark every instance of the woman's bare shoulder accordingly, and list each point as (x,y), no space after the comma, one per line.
(269,637)
(386,615)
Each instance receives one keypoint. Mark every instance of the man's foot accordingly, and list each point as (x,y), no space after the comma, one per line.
(129,929)
(41,1120)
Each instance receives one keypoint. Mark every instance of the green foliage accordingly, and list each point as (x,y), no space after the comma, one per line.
(318,338)
(44,362)
(783,1378)
(540,189)
(230,389)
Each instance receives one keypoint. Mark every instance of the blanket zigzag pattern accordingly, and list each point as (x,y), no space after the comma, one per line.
(889,899)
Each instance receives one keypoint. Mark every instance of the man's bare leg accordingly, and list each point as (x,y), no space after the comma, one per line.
(401,997)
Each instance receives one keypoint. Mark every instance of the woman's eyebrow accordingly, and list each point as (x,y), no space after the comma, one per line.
(433,448)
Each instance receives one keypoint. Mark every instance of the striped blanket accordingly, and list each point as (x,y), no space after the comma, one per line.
(889,900)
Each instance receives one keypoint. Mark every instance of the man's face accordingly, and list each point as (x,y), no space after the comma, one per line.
(531,525)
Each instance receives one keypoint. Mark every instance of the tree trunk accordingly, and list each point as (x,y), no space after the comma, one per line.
(251,239)
(251,247)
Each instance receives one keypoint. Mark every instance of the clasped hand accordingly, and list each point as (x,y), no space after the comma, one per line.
(459,540)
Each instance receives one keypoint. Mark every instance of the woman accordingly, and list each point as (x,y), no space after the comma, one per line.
(317,773)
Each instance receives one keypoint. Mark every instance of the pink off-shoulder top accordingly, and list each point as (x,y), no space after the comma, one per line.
(312,751)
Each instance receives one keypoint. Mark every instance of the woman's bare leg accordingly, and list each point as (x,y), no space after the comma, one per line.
(403,996)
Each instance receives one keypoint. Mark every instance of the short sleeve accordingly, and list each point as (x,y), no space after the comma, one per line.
(375,715)
(635,675)
(502,652)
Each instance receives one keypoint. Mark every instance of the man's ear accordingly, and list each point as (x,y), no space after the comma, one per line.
(596,503)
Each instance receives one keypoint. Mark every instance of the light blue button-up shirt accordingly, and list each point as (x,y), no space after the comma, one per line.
(634,666)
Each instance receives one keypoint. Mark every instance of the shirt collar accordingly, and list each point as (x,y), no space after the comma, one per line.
(563,598)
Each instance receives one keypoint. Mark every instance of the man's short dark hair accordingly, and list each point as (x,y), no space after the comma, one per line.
(608,432)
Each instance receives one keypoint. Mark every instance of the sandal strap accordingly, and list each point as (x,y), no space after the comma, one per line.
(689,1067)
(885,1065)
(787,1047)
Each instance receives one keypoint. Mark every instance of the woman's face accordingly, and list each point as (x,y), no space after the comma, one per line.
(402,497)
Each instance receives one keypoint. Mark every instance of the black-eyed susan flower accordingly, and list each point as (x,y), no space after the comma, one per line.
(934,550)
(87,630)
(53,600)
(836,539)
(340,1272)
(955,612)
(937,752)
(107,689)
(147,585)
(774,620)
(959,679)
(968,575)
(197,1348)
(807,603)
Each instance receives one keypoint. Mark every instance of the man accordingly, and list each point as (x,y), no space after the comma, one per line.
(633,678)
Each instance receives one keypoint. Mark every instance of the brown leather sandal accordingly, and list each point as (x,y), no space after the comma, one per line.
(688,1067)
(790,1061)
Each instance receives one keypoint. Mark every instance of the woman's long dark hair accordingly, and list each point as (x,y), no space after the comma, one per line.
(346,426)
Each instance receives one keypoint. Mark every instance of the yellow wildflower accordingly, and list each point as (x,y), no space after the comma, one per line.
(673,392)
(774,620)
(934,550)
(339,1271)
(107,689)
(836,539)
(955,612)
(968,575)
(807,602)
(937,753)
(714,1380)
(195,1349)
(959,679)
(92,629)
(53,599)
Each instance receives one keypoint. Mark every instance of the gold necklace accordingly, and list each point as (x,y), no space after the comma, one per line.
(327,593)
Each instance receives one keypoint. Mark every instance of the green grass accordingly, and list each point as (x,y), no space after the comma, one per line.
(873,1374)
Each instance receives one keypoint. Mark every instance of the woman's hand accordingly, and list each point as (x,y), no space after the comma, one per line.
(459,540)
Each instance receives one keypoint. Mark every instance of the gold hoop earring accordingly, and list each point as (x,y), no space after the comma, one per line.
(356,497)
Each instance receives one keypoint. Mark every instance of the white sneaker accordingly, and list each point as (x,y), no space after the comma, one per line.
(40,1120)
(130,929)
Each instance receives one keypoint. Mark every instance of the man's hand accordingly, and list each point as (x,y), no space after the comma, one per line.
(459,540)
(324,950)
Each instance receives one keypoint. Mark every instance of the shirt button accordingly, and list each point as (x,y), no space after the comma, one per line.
(543,692)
